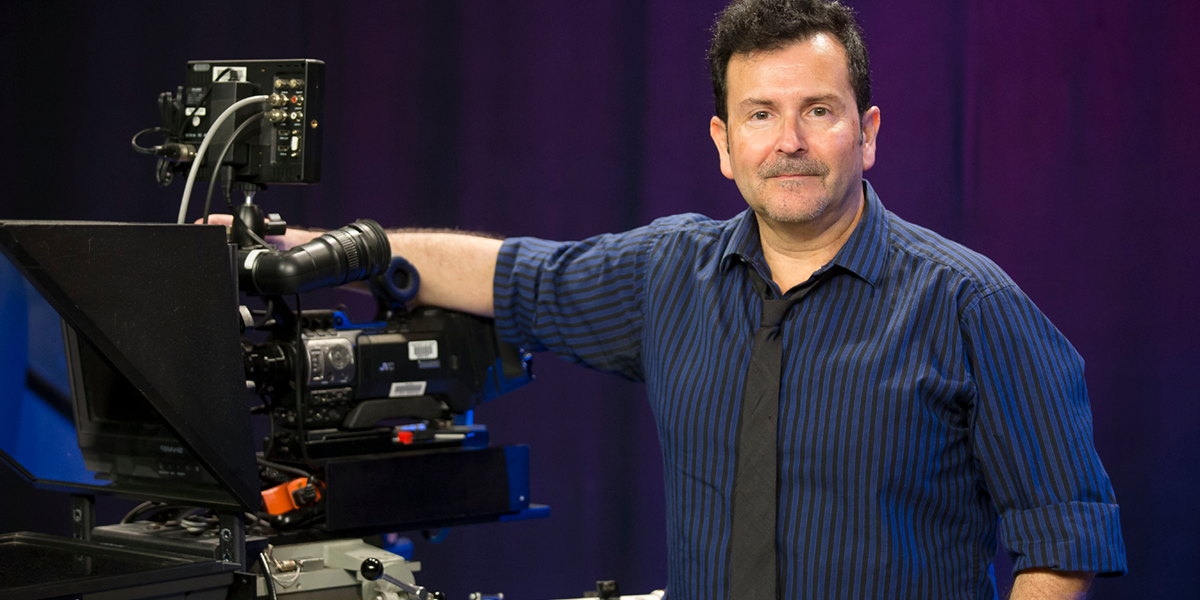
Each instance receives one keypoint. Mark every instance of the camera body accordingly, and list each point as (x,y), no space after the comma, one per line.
(413,372)
(328,382)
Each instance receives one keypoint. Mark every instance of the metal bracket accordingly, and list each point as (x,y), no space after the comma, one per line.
(232,536)
(83,516)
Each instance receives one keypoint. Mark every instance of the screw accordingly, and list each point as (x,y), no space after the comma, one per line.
(78,514)
(226,535)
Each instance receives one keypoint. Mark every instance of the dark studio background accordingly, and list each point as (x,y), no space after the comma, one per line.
(1054,137)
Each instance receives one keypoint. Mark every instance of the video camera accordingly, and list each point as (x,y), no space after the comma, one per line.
(162,348)
(429,365)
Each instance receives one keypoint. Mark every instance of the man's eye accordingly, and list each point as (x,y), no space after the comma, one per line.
(760,115)
(820,112)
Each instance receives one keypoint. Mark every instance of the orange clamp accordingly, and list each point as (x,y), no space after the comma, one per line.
(283,497)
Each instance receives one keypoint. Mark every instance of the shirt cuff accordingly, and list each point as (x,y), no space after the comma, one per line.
(505,293)
(1068,536)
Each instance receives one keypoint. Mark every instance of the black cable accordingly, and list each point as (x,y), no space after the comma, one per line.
(163,173)
(299,394)
(238,222)
(270,412)
(216,167)
(142,509)
(128,518)
(144,149)
(283,468)
(270,430)
(262,560)
(266,314)
(258,525)
(227,191)
(271,408)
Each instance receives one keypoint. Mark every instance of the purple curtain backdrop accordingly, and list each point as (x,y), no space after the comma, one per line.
(1052,136)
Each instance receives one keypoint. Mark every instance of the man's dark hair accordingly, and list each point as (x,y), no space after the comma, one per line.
(765,25)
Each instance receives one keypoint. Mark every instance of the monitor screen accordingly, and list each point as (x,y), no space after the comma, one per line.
(122,438)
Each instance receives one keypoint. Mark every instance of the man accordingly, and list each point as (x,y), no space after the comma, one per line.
(914,396)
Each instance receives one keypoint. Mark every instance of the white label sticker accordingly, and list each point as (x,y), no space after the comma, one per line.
(422,350)
(403,389)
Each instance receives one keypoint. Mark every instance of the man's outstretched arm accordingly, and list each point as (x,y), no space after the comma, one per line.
(456,269)
(1045,584)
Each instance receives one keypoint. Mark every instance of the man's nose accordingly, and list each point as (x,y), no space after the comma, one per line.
(791,136)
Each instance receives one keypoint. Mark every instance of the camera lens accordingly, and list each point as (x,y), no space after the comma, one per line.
(365,250)
(355,252)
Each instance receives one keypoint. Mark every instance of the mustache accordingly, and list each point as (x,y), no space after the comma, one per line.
(801,165)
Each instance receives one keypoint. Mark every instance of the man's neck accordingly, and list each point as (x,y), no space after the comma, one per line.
(794,251)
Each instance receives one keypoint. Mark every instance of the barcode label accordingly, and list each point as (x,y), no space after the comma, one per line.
(423,350)
(403,389)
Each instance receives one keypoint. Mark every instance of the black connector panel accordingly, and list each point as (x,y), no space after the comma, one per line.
(287,145)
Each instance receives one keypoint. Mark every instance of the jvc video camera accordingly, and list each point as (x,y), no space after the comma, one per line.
(328,382)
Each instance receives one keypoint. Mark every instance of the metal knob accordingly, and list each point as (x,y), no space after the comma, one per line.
(372,569)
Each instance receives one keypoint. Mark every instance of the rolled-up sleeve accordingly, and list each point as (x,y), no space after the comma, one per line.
(1032,437)
(581,300)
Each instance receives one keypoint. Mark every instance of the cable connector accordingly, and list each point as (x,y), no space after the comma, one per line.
(176,152)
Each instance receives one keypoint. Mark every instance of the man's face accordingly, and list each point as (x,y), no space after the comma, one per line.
(796,148)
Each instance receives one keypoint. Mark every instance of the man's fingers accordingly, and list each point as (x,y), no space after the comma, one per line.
(294,236)
(217,220)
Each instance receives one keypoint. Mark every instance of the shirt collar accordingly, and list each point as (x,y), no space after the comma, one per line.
(863,254)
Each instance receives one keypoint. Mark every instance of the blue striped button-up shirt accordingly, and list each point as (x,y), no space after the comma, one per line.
(927,405)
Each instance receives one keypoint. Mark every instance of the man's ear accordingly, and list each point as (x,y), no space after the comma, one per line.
(720,138)
(870,135)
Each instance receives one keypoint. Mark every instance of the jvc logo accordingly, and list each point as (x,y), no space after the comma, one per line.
(387,366)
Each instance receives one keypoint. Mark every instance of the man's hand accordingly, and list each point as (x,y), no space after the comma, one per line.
(1045,584)
(293,237)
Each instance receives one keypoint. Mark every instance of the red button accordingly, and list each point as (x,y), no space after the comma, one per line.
(404,437)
